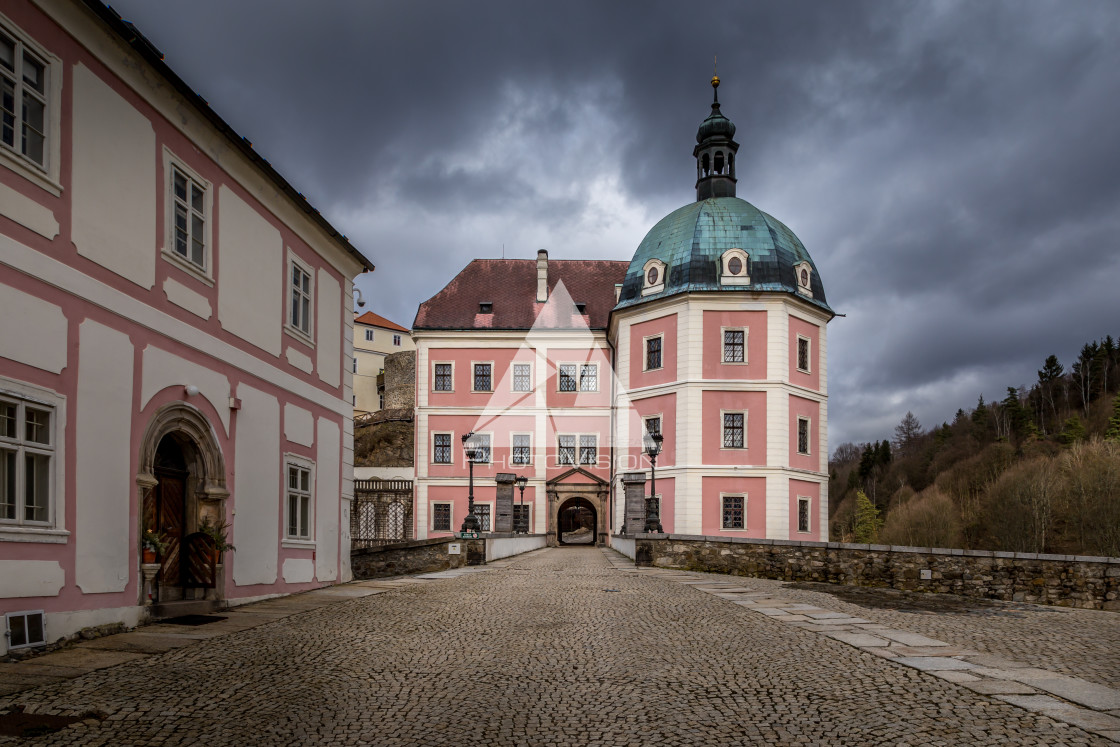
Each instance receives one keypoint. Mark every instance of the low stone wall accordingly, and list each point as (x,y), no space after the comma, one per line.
(415,556)
(624,545)
(508,545)
(1062,580)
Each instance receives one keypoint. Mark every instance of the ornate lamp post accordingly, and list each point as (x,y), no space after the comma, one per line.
(522,481)
(471,448)
(651,442)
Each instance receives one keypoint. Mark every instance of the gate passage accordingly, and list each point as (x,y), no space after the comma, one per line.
(381,513)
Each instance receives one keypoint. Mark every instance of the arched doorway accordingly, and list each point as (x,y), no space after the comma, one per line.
(576,522)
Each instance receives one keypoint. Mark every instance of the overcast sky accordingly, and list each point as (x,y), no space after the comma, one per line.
(952,167)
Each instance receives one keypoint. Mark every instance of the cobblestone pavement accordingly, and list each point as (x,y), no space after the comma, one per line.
(566,646)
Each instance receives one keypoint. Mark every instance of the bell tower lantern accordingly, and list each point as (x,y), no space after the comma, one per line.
(715,152)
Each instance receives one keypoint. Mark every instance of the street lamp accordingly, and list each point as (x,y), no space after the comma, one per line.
(522,481)
(471,447)
(651,442)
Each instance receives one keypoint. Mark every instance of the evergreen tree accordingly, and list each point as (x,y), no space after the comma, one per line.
(868,522)
(1049,389)
(866,462)
(907,432)
(1018,417)
(1072,431)
(883,453)
(1113,432)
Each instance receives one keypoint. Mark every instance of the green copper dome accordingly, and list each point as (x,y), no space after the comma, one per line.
(692,240)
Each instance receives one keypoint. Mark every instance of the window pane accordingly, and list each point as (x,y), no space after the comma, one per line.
(7,420)
(482,378)
(305,480)
(196,228)
(179,184)
(7,484)
(653,352)
(38,426)
(197,198)
(33,73)
(567,378)
(733,430)
(589,378)
(802,516)
(18,626)
(197,256)
(567,451)
(653,425)
(7,112)
(33,111)
(482,511)
(443,377)
(803,436)
(588,452)
(441,517)
(38,482)
(733,351)
(442,448)
(293,478)
(521,381)
(7,52)
(803,354)
(733,512)
(305,517)
(305,312)
(483,447)
(293,515)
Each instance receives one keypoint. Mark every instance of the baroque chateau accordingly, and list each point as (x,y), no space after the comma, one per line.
(713,336)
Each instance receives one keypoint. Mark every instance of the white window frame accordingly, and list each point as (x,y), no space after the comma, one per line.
(450,516)
(746,520)
(645,423)
(25,614)
(513,377)
(369,335)
(723,428)
(648,289)
(298,540)
(53,530)
(309,336)
(808,435)
(808,354)
(490,508)
(481,363)
(809,501)
(47,174)
(575,450)
(397,340)
(205,273)
(446,363)
(489,436)
(575,377)
(579,377)
(645,351)
(432,448)
(723,345)
(805,289)
(726,276)
(527,434)
(579,450)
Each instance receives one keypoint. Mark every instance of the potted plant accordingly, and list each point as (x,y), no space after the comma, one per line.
(218,532)
(152,545)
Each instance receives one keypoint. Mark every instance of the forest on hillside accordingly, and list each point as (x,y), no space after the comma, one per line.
(1037,471)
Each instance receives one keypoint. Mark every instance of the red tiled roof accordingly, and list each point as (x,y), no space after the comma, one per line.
(511,285)
(376,320)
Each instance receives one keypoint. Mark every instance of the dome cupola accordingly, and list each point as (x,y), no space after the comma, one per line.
(715,152)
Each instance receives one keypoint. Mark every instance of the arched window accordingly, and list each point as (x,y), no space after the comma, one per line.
(719,162)
(735,267)
(704,170)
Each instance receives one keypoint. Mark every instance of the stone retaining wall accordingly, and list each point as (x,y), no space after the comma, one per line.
(415,556)
(1062,580)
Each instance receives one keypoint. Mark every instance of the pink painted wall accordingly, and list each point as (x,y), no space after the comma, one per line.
(463,360)
(598,424)
(664,405)
(811,380)
(754,322)
(600,398)
(665,326)
(499,426)
(801,407)
(457,495)
(754,488)
(811,490)
(754,403)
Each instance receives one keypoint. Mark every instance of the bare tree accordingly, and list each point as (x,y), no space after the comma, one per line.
(907,432)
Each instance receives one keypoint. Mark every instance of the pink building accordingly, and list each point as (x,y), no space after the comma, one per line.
(175,352)
(714,335)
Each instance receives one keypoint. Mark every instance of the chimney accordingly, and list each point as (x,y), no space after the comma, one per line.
(542,276)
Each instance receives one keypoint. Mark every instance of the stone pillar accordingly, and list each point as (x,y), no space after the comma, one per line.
(634,517)
(503,502)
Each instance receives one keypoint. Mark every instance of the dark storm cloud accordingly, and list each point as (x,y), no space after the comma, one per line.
(952,167)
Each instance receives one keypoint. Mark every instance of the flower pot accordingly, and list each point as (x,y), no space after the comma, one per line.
(149,556)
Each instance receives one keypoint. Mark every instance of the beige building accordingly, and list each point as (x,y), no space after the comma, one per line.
(374,338)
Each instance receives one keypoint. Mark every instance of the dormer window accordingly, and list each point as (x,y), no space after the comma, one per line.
(486,307)
(653,277)
(804,278)
(581,308)
(735,267)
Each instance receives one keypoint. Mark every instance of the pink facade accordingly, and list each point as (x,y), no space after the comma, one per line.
(665,328)
(753,490)
(802,490)
(804,411)
(809,376)
(139,356)
(753,324)
(663,406)
(753,406)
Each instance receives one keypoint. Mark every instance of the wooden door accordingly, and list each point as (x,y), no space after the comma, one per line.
(170,521)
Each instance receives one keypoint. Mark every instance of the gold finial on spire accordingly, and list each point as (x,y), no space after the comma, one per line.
(715,74)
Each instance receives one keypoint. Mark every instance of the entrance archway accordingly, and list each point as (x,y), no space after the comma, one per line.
(576,522)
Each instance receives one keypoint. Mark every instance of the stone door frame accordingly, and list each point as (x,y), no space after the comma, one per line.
(591,489)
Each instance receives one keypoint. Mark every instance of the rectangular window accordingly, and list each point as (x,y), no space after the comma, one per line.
(441,448)
(189,218)
(653,425)
(482,511)
(442,381)
(589,377)
(653,353)
(567,377)
(27,449)
(484,377)
(25,629)
(299,309)
(803,354)
(733,423)
(803,435)
(589,450)
(369,335)
(734,513)
(521,517)
(299,502)
(397,340)
(734,347)
(23,100)
(803,507)
(354,363)
(566,452)
(483,456)
(441,517)
(522,377)
(521,448)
